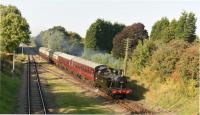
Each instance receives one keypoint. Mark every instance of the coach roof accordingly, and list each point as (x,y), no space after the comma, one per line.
(43,49)
(66,56)
(86,62)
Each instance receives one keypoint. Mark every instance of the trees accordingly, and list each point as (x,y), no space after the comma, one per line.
(100,35)
(58,39)
(14,28)
(9,9)
(75,45)
(158,27)
(141,55)
(54,38)
(73,35)
(186,26)
(135,32)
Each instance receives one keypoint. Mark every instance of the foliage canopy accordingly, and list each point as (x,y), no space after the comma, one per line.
(100,35)
(184,28)
(135,32)
(58,39)
(14,29)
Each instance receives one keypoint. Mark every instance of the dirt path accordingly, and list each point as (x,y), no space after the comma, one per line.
(21,97)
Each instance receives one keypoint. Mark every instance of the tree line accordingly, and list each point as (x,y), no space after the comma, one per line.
(14,28)
(168,56)
(58,39)
(183,28)
(102,36)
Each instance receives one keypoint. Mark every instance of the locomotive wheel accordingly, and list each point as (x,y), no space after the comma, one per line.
(83,78)
(109,92)
(124,96)
(114,96)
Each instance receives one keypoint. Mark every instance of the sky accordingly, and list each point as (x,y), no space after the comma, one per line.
(78,15)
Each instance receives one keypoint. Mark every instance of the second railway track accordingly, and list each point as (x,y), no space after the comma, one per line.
(35,96)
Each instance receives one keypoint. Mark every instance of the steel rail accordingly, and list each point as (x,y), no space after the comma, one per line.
(28,86)
(39,87)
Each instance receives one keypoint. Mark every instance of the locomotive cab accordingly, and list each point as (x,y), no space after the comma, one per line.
(112,82)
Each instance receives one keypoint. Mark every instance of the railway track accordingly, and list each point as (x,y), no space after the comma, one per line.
(35,96)
(130,106)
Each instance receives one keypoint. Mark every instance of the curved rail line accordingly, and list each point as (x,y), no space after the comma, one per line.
(132,107)
(126,104)
(35,95)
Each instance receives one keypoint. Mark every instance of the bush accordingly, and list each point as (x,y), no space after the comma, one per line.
(165,58)
(141,55)
(188,66)
(105,59)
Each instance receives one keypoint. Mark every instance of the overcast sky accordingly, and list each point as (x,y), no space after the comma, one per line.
(77,15)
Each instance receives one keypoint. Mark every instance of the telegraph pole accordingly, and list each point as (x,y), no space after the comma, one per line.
(13,69)
(127,44)
(22,49)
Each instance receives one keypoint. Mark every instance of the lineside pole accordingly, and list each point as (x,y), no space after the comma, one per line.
(22,49)
(126,55)
(13,69)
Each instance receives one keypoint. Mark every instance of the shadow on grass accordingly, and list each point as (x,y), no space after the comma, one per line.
(6,66)
(27,51)
(78,103)
(138,91)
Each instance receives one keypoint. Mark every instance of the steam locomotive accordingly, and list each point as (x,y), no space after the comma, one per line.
(107,79)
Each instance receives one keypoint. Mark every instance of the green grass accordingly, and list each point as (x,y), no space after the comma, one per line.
(169,97)
(9,85)
(9,88)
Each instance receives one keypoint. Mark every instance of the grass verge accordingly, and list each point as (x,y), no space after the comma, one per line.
(9,85)
(168,97)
